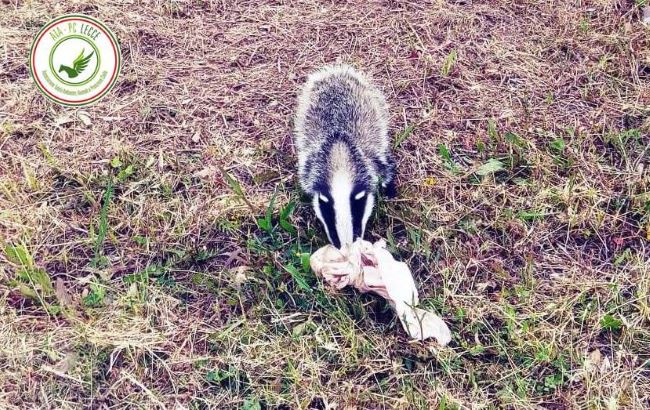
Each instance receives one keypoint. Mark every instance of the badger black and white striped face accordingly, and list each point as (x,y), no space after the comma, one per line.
(344,208)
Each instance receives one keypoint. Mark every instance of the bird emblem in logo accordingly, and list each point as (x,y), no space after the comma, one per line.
(78,65)
(75,60)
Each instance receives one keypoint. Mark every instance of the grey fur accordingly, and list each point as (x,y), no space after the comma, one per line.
(339,102)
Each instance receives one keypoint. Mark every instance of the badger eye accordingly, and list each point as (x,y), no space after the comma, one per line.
(360,195)
(323,198)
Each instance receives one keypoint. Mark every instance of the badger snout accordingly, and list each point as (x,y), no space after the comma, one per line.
(344,230)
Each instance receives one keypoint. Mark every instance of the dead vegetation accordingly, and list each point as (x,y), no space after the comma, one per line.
(152,256)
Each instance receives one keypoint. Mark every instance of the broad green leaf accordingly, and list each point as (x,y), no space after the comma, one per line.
(37,277)
(116,162)
(286,225)
(96,295)
(27,292)
(284,218)
(515,139)
(140,277)
(443,151)
(304,260)
(558,145)
(264,224)
(19,255)
(450,165)
(269,209)
(125,173)
(402,136)
(233,184)
(530,215)
(297,276)
(490,167)
(287,210)
(609,322)
(449,63)
(218,376)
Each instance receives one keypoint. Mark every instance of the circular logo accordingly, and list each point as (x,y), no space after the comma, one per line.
(75,60)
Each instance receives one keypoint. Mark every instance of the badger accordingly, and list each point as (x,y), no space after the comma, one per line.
(343,148)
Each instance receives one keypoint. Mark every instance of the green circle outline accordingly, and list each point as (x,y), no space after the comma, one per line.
(118,65)
(99,60)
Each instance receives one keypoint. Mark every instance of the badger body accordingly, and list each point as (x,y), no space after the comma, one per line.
(341,137)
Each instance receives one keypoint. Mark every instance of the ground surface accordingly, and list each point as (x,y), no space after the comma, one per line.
(134,271)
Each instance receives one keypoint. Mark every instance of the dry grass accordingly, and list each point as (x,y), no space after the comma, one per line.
(165,291)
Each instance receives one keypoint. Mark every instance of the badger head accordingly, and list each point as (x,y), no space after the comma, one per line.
(344,196)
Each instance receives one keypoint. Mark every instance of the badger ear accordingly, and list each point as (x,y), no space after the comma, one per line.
(386,169)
